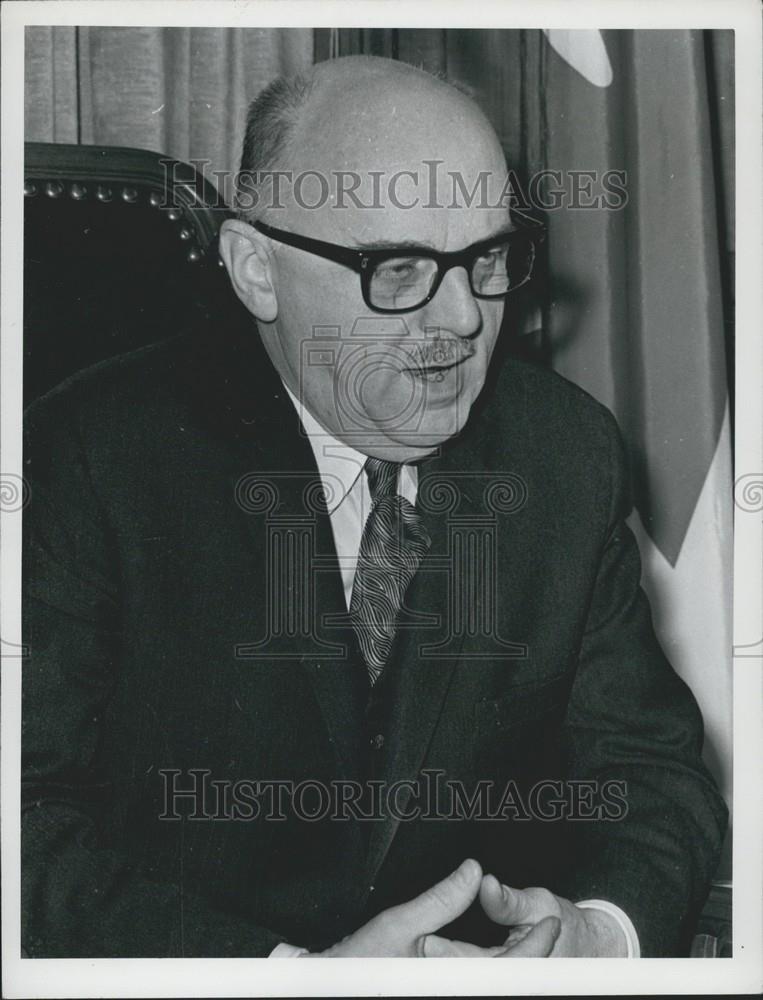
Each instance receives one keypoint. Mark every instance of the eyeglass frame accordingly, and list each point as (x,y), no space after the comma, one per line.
(364,261)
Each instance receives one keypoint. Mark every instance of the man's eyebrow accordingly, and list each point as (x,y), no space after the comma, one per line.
(418,245)
(395,245)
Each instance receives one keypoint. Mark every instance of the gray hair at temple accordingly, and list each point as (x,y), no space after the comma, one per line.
(270,123)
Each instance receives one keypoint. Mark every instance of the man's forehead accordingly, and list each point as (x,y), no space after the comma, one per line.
(444,229)
(392,198)
(403,140)
(393,209)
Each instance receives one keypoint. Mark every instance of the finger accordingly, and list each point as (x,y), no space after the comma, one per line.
(512,906)
(518,933)
(433,946)
(441,903)
(538,943)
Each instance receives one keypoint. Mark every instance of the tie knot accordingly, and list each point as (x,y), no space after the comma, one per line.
(382,478)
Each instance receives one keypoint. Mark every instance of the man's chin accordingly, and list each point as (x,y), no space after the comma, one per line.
(402,446)
(434,430)
(417,438)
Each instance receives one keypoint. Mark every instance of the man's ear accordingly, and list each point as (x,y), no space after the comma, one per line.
(248,258)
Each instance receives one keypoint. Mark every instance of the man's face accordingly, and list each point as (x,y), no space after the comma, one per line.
(393,386)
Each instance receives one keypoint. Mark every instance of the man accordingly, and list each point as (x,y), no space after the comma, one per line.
(276,599)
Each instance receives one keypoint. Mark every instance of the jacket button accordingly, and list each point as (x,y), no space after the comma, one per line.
(377,742)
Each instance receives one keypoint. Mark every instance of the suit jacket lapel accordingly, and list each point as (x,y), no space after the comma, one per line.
(329,655)
(275,491)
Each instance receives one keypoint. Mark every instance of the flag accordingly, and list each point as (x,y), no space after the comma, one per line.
(639,313)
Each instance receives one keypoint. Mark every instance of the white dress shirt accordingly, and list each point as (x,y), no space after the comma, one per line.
(348,502)
(347,493)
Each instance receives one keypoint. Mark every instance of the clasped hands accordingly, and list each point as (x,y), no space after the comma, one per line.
(541,924)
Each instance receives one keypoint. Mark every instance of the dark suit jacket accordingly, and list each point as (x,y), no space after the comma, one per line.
(151,546)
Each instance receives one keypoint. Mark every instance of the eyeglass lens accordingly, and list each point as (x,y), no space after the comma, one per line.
(405,282)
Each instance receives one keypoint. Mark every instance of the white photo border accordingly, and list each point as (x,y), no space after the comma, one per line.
(396,977)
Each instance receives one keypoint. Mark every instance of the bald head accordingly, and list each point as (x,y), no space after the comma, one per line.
(368,110)
(361,116)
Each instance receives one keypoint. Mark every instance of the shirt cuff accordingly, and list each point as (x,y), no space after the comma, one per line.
(631,937)
(284,950)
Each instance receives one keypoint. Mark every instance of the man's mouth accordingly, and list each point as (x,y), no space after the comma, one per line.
(432,373)
(435,361)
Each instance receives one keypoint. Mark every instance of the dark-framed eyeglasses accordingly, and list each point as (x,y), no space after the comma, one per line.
(401,279)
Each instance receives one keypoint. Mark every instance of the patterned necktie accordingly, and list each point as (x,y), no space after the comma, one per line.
(393,544)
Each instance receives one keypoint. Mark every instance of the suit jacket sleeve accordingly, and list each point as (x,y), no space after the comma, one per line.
(631,719)
(81,897)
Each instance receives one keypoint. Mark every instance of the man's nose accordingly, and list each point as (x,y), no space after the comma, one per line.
(454,307)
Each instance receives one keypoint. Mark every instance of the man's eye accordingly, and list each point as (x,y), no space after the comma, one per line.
(493,255)
(398,269)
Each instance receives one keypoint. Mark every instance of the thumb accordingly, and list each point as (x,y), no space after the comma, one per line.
(443,902)
(508,906)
